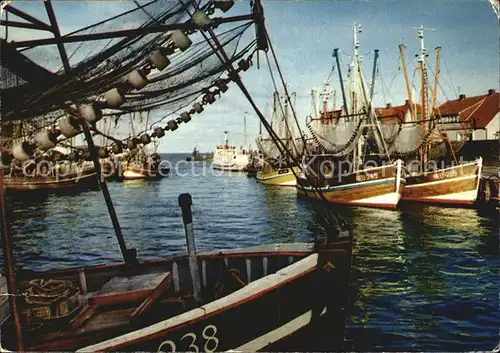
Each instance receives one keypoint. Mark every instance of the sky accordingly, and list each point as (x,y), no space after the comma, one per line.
(304,34)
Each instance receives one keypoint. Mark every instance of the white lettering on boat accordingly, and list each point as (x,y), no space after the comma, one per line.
(445,174)
(366,176)
(208,333)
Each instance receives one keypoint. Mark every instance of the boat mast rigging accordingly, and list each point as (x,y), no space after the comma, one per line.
(407,81)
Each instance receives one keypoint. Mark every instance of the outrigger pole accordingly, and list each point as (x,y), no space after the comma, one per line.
(8,257)
(262,43)
(129,255)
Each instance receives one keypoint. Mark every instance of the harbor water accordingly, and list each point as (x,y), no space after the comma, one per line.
(425,278)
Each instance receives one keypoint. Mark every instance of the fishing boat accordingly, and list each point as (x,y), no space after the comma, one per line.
(269,175)
(196,156)
(457,185)
(248,299)
(50,171)
(230,158)
(274,171)
(436,180)
(142,166)
(379,187)
(63,177)
(347,167)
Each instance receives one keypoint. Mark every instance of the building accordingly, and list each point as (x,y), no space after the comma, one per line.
(478,116)
(474,118)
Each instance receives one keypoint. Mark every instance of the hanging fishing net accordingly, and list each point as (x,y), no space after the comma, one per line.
(390,132)
(268,148)
(35,89)
(338,139)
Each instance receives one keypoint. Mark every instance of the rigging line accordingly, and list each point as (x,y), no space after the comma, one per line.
(448,73)
(441,87)
(194,99)
(286,91)
(331,72)
(336,218)
(96,24)
(237,79)
(143,10)
(280,104)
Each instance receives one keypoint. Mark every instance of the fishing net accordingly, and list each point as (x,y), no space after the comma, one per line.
(338,139)
(268,148)
(390,132)
(41,97)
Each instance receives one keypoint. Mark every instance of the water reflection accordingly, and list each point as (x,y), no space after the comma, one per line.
(422,272)
(425,277)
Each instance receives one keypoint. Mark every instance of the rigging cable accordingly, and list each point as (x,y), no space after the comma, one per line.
(334,219)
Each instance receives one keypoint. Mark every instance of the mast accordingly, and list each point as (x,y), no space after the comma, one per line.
(245,129)
(275,117)
(313,99)
(372,88)
(294,108)
(226,139)
(344,99)
(285,118)
(436,75)
(356,79)
(325,98)
(407,81)
(423,68)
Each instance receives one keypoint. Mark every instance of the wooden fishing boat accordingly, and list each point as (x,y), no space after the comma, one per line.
(132,171)
(253,299)
(149,168)
(380,187)
(278,177)
(454,185)
(80,178)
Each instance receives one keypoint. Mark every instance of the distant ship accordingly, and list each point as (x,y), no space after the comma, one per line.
(196,156)
(230,158)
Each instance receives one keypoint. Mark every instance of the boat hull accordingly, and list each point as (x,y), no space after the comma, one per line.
(229,167)
(86,180)
(278,177)
(137,173)
(267,310)
(456,185)
(379,187)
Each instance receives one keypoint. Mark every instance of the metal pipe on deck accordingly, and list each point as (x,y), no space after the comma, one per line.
(185,203)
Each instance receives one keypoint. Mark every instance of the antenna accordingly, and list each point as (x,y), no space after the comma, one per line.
(423,52)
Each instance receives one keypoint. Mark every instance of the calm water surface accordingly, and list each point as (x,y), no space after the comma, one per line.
(426,278)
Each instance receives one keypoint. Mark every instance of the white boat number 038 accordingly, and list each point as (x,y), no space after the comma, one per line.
(208,333)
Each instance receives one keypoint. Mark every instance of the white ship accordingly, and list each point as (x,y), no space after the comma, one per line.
(231,158)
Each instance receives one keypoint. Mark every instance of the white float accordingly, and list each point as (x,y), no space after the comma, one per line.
(68,128)
(45,139)
(137,79)
(113,98)
(90,113)
(180,40)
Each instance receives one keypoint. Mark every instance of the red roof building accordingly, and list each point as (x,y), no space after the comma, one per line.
(479,113)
